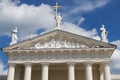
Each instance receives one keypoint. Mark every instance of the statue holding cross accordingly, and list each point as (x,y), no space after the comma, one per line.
(58,17)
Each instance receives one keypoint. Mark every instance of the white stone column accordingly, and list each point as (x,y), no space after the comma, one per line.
(44,71)
(101,76)
(71,71)
(107,75)
(101,72)
(88,70)
(11,72)
(28,69)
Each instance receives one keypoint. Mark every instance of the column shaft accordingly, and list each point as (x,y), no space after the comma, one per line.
(71,72)
(101,76)
(107,75)
(101,72)
(11,72)
(89,75)
(27,72)
(44,72)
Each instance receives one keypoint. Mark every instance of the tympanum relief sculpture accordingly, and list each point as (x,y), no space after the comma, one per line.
(59,44)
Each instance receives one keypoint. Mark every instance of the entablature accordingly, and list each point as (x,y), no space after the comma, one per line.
(60,50)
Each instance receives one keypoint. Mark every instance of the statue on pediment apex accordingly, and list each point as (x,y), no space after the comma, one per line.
(58,19)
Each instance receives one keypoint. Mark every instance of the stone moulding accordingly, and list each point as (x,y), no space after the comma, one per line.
(57,56)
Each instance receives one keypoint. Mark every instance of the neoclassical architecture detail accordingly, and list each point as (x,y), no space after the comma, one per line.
(11,72)
(28,69)
(88,70)
(59,44)
(59,55)
(14,36)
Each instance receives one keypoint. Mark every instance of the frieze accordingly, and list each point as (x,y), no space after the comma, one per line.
(57,56)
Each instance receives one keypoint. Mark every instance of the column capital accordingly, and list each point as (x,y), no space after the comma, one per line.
(11,64)
(71,63)
(107,63)
(89,63)
(44,63)
(28,64)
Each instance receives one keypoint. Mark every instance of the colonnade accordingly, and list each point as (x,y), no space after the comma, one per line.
(71,71)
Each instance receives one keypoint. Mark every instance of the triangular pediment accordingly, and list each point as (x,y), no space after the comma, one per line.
(59,39)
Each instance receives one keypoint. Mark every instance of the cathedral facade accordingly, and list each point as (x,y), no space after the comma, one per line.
(59,55)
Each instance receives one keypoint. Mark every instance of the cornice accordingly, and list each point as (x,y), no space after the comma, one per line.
(60,50)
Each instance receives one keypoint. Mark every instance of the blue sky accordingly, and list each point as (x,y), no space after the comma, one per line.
(107,14)
(83,17)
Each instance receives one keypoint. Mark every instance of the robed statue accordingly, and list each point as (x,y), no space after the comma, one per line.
(14,35)
(58,19)
(103,34)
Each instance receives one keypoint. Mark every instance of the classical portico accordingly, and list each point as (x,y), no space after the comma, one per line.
(59,55)
(72,70)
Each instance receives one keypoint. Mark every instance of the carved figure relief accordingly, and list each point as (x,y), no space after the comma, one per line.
(59,44)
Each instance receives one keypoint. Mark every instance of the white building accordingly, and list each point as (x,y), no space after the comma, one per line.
(59,55)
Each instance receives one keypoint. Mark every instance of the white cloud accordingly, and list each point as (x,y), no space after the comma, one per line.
(80,7)
(17,1)
(117,42)
(78,30)
(2,70)
(88,5)
(27,37)
(115,64)
(30,18)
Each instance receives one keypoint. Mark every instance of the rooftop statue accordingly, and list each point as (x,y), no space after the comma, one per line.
(58,19)
(14,35)
(103,34)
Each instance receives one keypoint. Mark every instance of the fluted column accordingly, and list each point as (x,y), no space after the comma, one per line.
(44,71)
(107,75)
(71,71)
(11,72)
(28,69)
(88,66)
